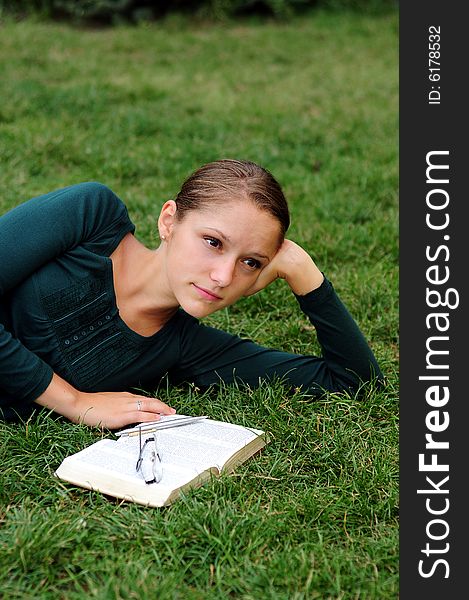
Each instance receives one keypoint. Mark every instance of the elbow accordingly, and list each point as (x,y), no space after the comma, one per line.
(357,383)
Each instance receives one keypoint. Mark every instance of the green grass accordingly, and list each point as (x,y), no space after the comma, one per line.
(315,515)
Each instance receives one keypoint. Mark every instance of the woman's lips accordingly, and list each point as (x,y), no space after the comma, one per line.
(206,294)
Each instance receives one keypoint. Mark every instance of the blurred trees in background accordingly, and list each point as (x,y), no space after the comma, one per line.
(112,11)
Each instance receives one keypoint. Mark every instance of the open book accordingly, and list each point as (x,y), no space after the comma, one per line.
(189,455)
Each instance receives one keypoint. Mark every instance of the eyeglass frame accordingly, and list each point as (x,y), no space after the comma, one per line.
(155,458)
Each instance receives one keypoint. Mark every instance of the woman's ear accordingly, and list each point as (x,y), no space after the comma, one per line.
(167,219)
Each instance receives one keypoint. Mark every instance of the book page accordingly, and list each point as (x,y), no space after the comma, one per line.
(107,459)
(199,445)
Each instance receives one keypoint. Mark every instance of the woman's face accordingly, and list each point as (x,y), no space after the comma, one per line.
(214,255)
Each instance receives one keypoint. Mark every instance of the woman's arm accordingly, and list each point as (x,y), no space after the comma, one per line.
(104,409)
(33,234)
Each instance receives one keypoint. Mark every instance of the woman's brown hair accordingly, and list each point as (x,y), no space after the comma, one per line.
(229,179)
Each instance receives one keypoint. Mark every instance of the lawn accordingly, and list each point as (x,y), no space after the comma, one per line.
(314,100)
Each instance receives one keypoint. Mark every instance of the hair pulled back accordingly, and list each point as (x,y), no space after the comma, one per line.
(227,180)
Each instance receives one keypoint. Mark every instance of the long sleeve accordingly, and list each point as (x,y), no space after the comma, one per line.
(345,351)
(34,234)
(209,356)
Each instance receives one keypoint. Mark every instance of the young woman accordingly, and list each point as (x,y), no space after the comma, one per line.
(88,313)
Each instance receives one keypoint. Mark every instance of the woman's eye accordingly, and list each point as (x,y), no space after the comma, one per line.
(213,242)
(252,263)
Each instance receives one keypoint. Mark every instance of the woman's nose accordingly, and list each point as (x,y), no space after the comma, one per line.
(223,272)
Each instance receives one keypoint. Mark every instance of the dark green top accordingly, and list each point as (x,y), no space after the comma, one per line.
(58,313)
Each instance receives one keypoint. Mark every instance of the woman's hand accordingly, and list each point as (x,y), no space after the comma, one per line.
(117,409)
(293,264)
(102,409)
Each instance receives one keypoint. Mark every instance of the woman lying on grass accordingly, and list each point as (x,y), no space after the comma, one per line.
(88,313)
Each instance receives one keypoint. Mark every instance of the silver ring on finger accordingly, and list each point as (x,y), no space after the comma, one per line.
(139,405)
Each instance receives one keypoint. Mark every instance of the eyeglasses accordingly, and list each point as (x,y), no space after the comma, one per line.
(149,460)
